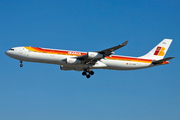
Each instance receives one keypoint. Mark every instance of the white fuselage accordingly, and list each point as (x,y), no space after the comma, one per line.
(112,62)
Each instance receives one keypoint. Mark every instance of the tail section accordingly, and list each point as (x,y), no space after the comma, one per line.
(158,52)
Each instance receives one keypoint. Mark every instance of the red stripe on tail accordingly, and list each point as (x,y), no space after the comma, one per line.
(157,51)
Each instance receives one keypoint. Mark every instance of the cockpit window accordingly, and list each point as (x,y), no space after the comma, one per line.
(11,49)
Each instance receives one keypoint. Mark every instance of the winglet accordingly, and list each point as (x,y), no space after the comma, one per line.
(124,43)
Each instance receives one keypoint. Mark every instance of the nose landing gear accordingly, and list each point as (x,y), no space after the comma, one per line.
(21,65)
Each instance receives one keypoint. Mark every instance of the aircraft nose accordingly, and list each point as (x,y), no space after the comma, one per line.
(7,52)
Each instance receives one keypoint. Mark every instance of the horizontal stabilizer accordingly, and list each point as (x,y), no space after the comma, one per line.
(161,61)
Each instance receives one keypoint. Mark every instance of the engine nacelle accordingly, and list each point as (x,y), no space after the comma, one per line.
(73,61)
(94,55)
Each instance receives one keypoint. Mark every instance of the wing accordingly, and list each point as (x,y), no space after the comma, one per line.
(93,57)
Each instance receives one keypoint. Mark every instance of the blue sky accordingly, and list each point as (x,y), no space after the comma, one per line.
(44,92)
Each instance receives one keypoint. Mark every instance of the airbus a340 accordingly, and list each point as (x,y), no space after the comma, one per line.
(87,61)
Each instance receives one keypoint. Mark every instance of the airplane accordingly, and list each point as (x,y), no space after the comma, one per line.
(87,61)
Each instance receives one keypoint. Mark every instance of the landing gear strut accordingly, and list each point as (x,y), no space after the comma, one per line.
(21,65)
(88,73)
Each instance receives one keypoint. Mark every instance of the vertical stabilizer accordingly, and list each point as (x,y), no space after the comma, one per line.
(159,51)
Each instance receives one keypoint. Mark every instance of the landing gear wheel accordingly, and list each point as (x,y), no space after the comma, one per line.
(83,73)
(88,76)
(87,72)
(91,72)
(21,65)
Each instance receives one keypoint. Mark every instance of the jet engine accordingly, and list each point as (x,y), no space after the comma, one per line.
(94,55)
(73,61)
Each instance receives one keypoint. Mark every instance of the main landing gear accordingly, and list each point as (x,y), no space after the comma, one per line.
(88,73)
(21,65)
